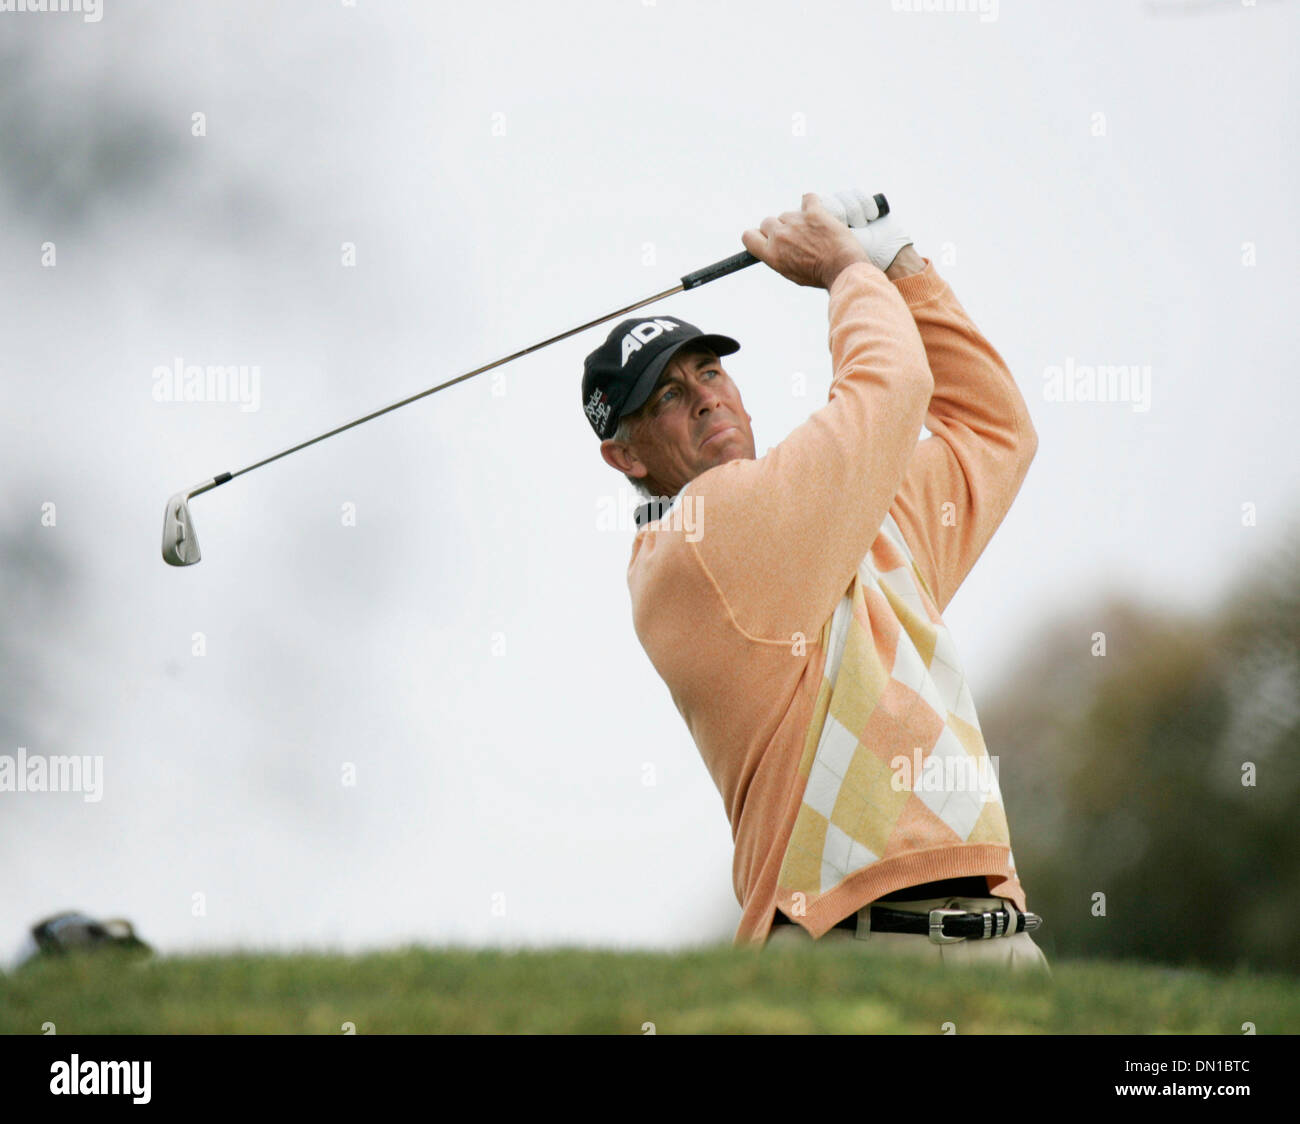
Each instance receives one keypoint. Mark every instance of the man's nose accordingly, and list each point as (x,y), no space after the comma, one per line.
(707,397)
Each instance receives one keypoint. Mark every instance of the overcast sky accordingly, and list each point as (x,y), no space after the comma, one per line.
(1102,184)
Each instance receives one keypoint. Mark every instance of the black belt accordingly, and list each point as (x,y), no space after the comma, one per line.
(942,926)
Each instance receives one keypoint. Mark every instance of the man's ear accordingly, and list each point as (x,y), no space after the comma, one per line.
(620,456)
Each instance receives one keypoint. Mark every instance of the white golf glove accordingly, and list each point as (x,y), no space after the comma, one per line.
(882,238)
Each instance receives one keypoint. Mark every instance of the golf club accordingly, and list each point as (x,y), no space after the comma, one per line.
(180,546)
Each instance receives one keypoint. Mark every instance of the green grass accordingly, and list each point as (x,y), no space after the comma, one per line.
(563,991)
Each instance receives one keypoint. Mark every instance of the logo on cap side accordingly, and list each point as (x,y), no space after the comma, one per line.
(597,408)
(643,333)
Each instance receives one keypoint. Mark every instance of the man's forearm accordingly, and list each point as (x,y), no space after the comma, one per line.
(907,263)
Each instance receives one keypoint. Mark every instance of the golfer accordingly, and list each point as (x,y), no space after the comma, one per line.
(793,602)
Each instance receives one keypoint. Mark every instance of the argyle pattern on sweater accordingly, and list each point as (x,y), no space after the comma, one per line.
(892,677)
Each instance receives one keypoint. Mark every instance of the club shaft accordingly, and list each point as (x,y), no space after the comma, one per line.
(450,382)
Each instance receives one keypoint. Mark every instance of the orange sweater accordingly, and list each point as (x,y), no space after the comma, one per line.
(733,587)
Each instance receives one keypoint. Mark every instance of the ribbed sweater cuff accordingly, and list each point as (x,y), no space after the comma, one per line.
(920,287)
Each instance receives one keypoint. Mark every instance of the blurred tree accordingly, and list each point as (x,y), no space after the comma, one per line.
(1123,775)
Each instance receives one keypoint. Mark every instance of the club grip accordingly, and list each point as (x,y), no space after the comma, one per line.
(718,269)
(744,259)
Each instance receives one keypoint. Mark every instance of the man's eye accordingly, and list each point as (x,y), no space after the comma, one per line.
(665,395)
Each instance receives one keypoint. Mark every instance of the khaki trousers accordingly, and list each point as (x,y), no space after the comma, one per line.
(1018,951)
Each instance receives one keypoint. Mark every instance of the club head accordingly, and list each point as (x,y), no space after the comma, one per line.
(180,546)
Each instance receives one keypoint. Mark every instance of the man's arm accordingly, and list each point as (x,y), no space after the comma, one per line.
(782,536)
(906,264)
(961,481)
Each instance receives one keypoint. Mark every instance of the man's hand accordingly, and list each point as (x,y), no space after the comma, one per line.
(882,238)
(810,247)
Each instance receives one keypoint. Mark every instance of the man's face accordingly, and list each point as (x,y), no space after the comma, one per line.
(693,421)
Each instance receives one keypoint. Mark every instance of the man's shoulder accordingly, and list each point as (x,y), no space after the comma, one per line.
(668,557)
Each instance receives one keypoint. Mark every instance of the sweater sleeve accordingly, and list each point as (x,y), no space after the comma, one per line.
(961,481)
(781,537)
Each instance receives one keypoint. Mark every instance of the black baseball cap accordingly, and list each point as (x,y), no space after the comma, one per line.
(621,373)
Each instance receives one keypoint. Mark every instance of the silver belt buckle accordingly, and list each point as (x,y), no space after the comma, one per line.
(937,935)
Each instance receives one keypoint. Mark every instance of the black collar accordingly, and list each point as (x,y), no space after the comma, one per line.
(653,509)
